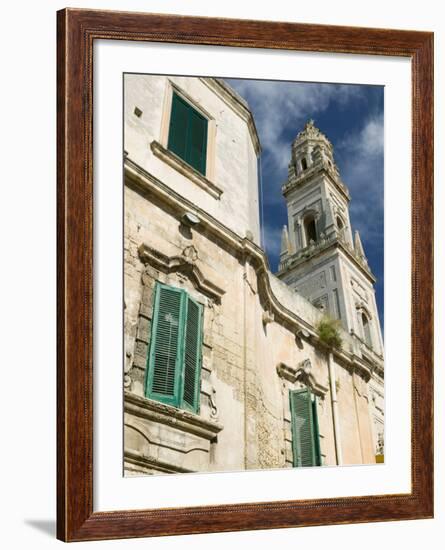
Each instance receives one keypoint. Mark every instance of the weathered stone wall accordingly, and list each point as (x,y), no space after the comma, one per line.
(241,388)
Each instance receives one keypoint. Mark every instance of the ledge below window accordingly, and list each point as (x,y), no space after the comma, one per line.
(166,414)
(185,169)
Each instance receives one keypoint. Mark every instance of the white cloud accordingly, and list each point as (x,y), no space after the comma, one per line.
(361,157)
(369,141)
(272,238)
(275,104)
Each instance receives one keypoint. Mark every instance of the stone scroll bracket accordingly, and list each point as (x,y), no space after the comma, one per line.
(302,372)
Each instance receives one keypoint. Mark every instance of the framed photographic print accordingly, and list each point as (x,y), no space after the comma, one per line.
(244,275)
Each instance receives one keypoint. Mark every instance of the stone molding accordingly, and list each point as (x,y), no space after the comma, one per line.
(309,174)
(146,183)
(362,368)
(315,249)
(303,372)
(184,264)
(363,308)
(179,419)
(185,169)
(153,463)
(374,361)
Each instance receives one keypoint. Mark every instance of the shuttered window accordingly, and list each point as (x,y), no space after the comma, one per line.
(174,358)
(187,136)
(305,436)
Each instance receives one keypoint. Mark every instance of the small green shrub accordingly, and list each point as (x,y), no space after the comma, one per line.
(329,332)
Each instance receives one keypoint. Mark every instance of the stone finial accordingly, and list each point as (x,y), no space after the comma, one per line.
(358,247)
(312,132)
(285,248)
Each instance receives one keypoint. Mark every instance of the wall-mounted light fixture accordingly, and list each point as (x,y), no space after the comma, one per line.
(190,219)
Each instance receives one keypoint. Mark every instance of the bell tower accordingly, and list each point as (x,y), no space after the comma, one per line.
(320,256)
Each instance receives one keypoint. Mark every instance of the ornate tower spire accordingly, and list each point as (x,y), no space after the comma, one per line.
(358,247)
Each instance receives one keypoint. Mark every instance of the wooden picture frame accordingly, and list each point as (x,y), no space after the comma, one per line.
(77,31)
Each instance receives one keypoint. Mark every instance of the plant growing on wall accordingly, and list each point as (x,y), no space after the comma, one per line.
(328,330)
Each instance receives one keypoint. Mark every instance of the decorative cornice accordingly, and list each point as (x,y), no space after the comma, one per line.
(302,371)
(292,261)
(361,368)
(311,173)
(185,169)
(153,463)
(171,416)
(183,264)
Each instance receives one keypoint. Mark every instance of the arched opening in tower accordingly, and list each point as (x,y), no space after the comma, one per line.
(366,330)
(310,229)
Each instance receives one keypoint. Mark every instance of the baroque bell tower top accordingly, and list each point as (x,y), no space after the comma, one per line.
(312,151)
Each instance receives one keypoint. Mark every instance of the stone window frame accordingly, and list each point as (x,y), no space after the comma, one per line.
(175,271)
(363,311)
(171,88)
(315,209)
(339,218)
(293,378)
(366,329)
(309,223)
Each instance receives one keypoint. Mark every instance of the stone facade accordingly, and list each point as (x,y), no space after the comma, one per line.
(259,335)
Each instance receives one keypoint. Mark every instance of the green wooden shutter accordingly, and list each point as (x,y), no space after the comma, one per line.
(197,141)
(187,136)
(303,428)
(316,432)
(164,360)
(192,355)
(179,121)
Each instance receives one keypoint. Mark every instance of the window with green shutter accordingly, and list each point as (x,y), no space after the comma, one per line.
(305,436)
(174,357)
(187,135)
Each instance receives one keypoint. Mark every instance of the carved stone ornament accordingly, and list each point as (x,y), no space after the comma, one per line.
(186,264)
(305,366)
(302,372)
(190,254)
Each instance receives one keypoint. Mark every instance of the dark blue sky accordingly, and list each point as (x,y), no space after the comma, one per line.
(351,116)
